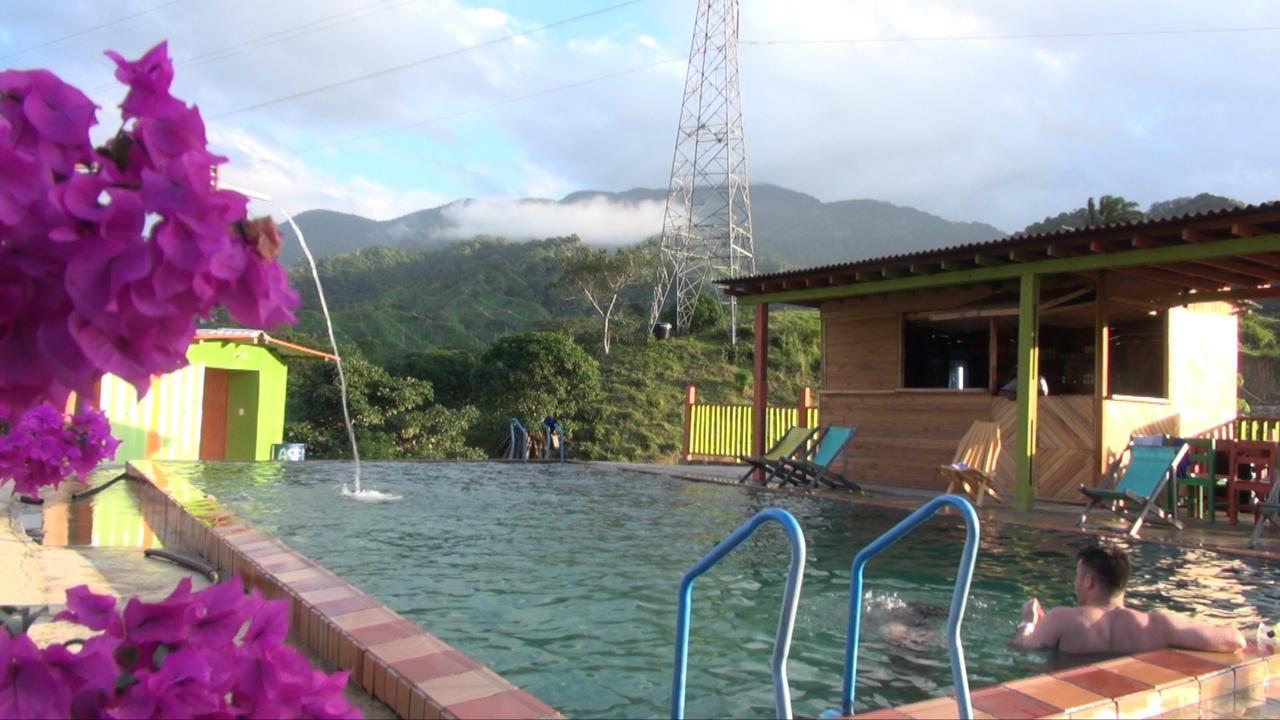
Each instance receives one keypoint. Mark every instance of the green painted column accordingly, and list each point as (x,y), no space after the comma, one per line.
(1028,389)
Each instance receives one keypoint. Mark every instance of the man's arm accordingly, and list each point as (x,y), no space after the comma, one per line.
(1183,632)
(1039,630)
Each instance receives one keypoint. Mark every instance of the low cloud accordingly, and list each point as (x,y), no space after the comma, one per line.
(599,220)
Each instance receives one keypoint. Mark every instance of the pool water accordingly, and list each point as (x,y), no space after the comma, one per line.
(563,579)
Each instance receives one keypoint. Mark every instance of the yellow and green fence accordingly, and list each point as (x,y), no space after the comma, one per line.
(715,432)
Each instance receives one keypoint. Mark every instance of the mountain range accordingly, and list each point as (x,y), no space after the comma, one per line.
(790,229)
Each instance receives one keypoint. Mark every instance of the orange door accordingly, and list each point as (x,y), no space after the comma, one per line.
(213,416)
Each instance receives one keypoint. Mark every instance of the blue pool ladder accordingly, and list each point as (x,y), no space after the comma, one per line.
(959,597)
(518,443)
(786,618)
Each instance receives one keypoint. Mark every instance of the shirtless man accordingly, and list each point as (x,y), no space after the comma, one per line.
(1102,624)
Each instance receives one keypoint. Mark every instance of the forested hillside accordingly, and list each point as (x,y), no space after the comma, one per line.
(466,295)
(791,229)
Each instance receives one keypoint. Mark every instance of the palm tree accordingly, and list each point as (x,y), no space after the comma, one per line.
(1113,209)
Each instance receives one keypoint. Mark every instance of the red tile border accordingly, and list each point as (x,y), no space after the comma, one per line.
(429,667)
(348,604)
(1182,662)
(513,705)
(1006,703)
(1102,682)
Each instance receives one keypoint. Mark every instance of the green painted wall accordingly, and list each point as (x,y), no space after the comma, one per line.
(259,391)
(242,415)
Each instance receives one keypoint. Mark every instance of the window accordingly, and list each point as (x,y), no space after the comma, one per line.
(945,354)
(1139,356)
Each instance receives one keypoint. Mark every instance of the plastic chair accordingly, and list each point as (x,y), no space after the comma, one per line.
(1259,457)
(1202,476)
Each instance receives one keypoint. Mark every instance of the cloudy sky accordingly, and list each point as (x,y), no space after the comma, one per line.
(1001,111)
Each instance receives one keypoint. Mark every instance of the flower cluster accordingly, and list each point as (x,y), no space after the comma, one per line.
(189,655)
(44,447)
(108,255)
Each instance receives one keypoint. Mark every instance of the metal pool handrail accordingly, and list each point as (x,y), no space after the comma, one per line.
(959,597)
(524,440)
(786,618)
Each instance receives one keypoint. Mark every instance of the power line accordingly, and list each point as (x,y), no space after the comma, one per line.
(482,108)
(1026,36)
(291,31)
(86,31)
(422,61)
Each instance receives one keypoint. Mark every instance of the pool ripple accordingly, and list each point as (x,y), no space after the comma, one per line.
(563,580)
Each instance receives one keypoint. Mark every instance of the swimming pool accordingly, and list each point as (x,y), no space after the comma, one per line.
(563,579)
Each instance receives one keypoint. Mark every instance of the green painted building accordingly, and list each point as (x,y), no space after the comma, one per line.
(227,404)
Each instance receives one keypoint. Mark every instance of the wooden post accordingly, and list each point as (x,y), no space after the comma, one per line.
(761,385)
(1101,367)
(1028,389)
(802,408)
(993,353)
(690,397)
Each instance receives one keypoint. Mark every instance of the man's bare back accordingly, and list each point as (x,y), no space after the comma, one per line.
(1102,624)
(1123,630)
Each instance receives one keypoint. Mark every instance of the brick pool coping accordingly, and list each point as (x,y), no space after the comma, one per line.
(416,674)
(1161,683)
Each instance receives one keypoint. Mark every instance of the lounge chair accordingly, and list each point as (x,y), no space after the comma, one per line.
(1268,509)
(817,467)
(791,444)
(1133,492)
(974,465)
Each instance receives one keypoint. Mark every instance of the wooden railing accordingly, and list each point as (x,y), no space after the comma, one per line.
(722,432)
(1245,428)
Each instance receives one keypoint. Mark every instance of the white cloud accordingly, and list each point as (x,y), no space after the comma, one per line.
(1001,130)
(598,221)
(295,186)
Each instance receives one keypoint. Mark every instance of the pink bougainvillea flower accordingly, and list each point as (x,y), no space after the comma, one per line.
(162,622)
(88,608)
(28,688)
(218,612)
(91,667)
(270,622)
(263,236)
(148,78)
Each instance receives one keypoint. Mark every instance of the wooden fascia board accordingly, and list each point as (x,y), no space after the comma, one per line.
(1242,268)
(1127,258)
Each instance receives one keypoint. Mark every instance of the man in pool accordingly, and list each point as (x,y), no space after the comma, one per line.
(1102,624)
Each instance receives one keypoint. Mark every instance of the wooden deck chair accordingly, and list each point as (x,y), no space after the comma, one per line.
(791,444)
(974,465)
(1135,491)
(1268,509)
(817,467)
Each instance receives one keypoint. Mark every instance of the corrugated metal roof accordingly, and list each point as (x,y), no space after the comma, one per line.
(1011,242)
(260,337)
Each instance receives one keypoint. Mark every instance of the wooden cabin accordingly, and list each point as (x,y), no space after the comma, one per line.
(1131,327)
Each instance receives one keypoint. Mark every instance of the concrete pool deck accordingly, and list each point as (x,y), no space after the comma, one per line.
(1045,515)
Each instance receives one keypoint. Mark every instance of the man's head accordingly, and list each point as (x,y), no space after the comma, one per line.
(1101,574)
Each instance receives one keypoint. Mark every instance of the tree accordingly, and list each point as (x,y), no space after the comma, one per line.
(394,417)
(531,376)
(1204,202)
(1113,209)
(599,277)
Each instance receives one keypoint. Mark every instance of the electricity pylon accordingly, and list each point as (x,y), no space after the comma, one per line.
(706,231)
